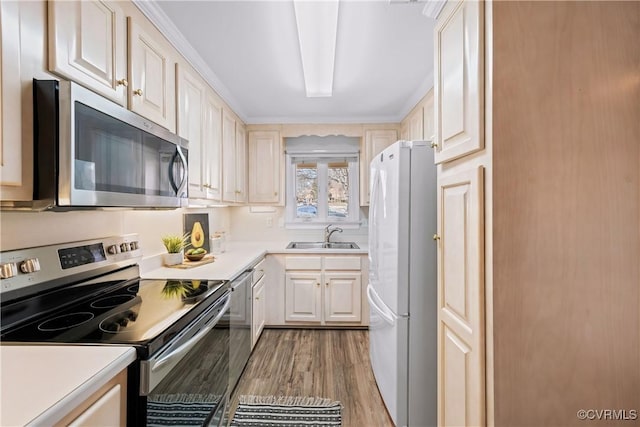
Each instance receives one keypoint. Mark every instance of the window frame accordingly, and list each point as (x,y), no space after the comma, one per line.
(322,220)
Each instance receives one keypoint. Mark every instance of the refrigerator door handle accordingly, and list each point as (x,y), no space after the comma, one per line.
(373,223)
(385,314)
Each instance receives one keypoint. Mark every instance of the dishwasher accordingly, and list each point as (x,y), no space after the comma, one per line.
(240,319)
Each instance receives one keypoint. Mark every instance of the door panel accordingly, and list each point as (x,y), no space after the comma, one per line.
(458,89)
(228,157)
(342,297)
(303,298)
(212,148)
(265,172)
(461,357)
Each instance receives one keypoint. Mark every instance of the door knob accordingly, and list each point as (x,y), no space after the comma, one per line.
(122,82)
(434,144)
(436,237)
(138,92)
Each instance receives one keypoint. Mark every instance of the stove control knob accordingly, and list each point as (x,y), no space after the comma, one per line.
(134,245)
(113,249)
(30,265)
(124,247)
(8,270)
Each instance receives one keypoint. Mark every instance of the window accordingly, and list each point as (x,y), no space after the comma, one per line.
(322,181)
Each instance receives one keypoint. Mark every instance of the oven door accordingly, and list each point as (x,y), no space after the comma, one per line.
(186,383)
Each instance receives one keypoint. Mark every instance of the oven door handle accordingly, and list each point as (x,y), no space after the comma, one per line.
(193,341)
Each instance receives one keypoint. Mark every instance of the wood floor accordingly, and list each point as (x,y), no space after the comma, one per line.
(323,363)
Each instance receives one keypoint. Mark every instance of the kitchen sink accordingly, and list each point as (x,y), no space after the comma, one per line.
(322,245)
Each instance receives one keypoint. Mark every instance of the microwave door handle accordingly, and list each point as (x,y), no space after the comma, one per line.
(172,180)
(193,341)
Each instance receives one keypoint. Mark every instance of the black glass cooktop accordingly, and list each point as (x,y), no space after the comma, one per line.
(136,311)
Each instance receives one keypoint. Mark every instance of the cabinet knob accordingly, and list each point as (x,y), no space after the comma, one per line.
(327,284)
(318,284)
(122,82)
(434,144)
(257,298)
(436,237)
(138,92)
(275,193)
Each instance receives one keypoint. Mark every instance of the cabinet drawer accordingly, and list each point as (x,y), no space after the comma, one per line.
(342,263)
(303,263)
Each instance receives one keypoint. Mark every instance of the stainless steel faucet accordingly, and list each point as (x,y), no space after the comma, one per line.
(328,231)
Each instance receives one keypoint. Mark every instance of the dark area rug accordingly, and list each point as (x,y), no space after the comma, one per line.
(272,411)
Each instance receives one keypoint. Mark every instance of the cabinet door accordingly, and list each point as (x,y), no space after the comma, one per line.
(228,157)
(191,93)
(374,142)
(106,411)
(461,345)
(303,299)
(88,44)
(342,297)
(259,311)
(458,88)
(416,125)
(152,75)
(241,164)
(15,174)
(428,119)
(265,173)
(212,147)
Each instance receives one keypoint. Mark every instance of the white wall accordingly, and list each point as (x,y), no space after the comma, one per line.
(253,226)
(29,229)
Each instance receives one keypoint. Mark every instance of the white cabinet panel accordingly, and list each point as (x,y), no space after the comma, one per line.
(88,44)
(374,142)
(342,297)
(106,411)
(212,147)
(458,89)
(265,170)
(303,297)
(259,310)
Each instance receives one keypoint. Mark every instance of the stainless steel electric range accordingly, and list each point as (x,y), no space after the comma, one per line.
(90,293)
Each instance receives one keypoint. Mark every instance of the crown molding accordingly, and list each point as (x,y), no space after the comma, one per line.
(160,19)
(323,120)
(433,8)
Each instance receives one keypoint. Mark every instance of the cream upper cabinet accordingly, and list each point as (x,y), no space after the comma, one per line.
(199,121)
(374,142)
(461,345)
(265,167)
(15,178)
(191,95)
(234,160)
(416,125)
(152,74)
(241,163)
(88,44)
(428,118)
(212,146)
(459,81)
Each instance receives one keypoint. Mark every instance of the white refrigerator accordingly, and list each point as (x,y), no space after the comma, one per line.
(402,281)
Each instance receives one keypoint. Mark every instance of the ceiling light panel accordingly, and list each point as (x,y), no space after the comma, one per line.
(317,22)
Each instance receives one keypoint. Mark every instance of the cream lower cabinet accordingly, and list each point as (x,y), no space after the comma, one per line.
(374,142)
(259,305)
(106,407)
(323,290)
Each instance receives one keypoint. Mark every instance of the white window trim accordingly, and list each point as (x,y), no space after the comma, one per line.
(352,221)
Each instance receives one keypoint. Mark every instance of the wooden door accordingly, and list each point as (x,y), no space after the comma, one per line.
(88,44)
(212,147)
(152,75)
(265,172)
(458,88)
(374,142)
(228,157)
(416,125)
(461,344)
(303,297)
(191,92)
(342,297)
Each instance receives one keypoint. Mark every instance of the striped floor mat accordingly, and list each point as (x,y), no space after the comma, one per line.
(282,411)
(180,409)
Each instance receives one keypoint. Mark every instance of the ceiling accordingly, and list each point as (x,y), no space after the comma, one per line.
(248,50)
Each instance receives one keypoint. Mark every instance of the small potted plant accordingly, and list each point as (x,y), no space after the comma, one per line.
(175,245)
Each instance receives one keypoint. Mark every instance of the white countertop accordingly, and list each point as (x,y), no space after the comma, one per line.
(238,257)
(41,384)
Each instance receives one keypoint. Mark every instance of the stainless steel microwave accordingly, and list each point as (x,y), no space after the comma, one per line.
(90,152)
